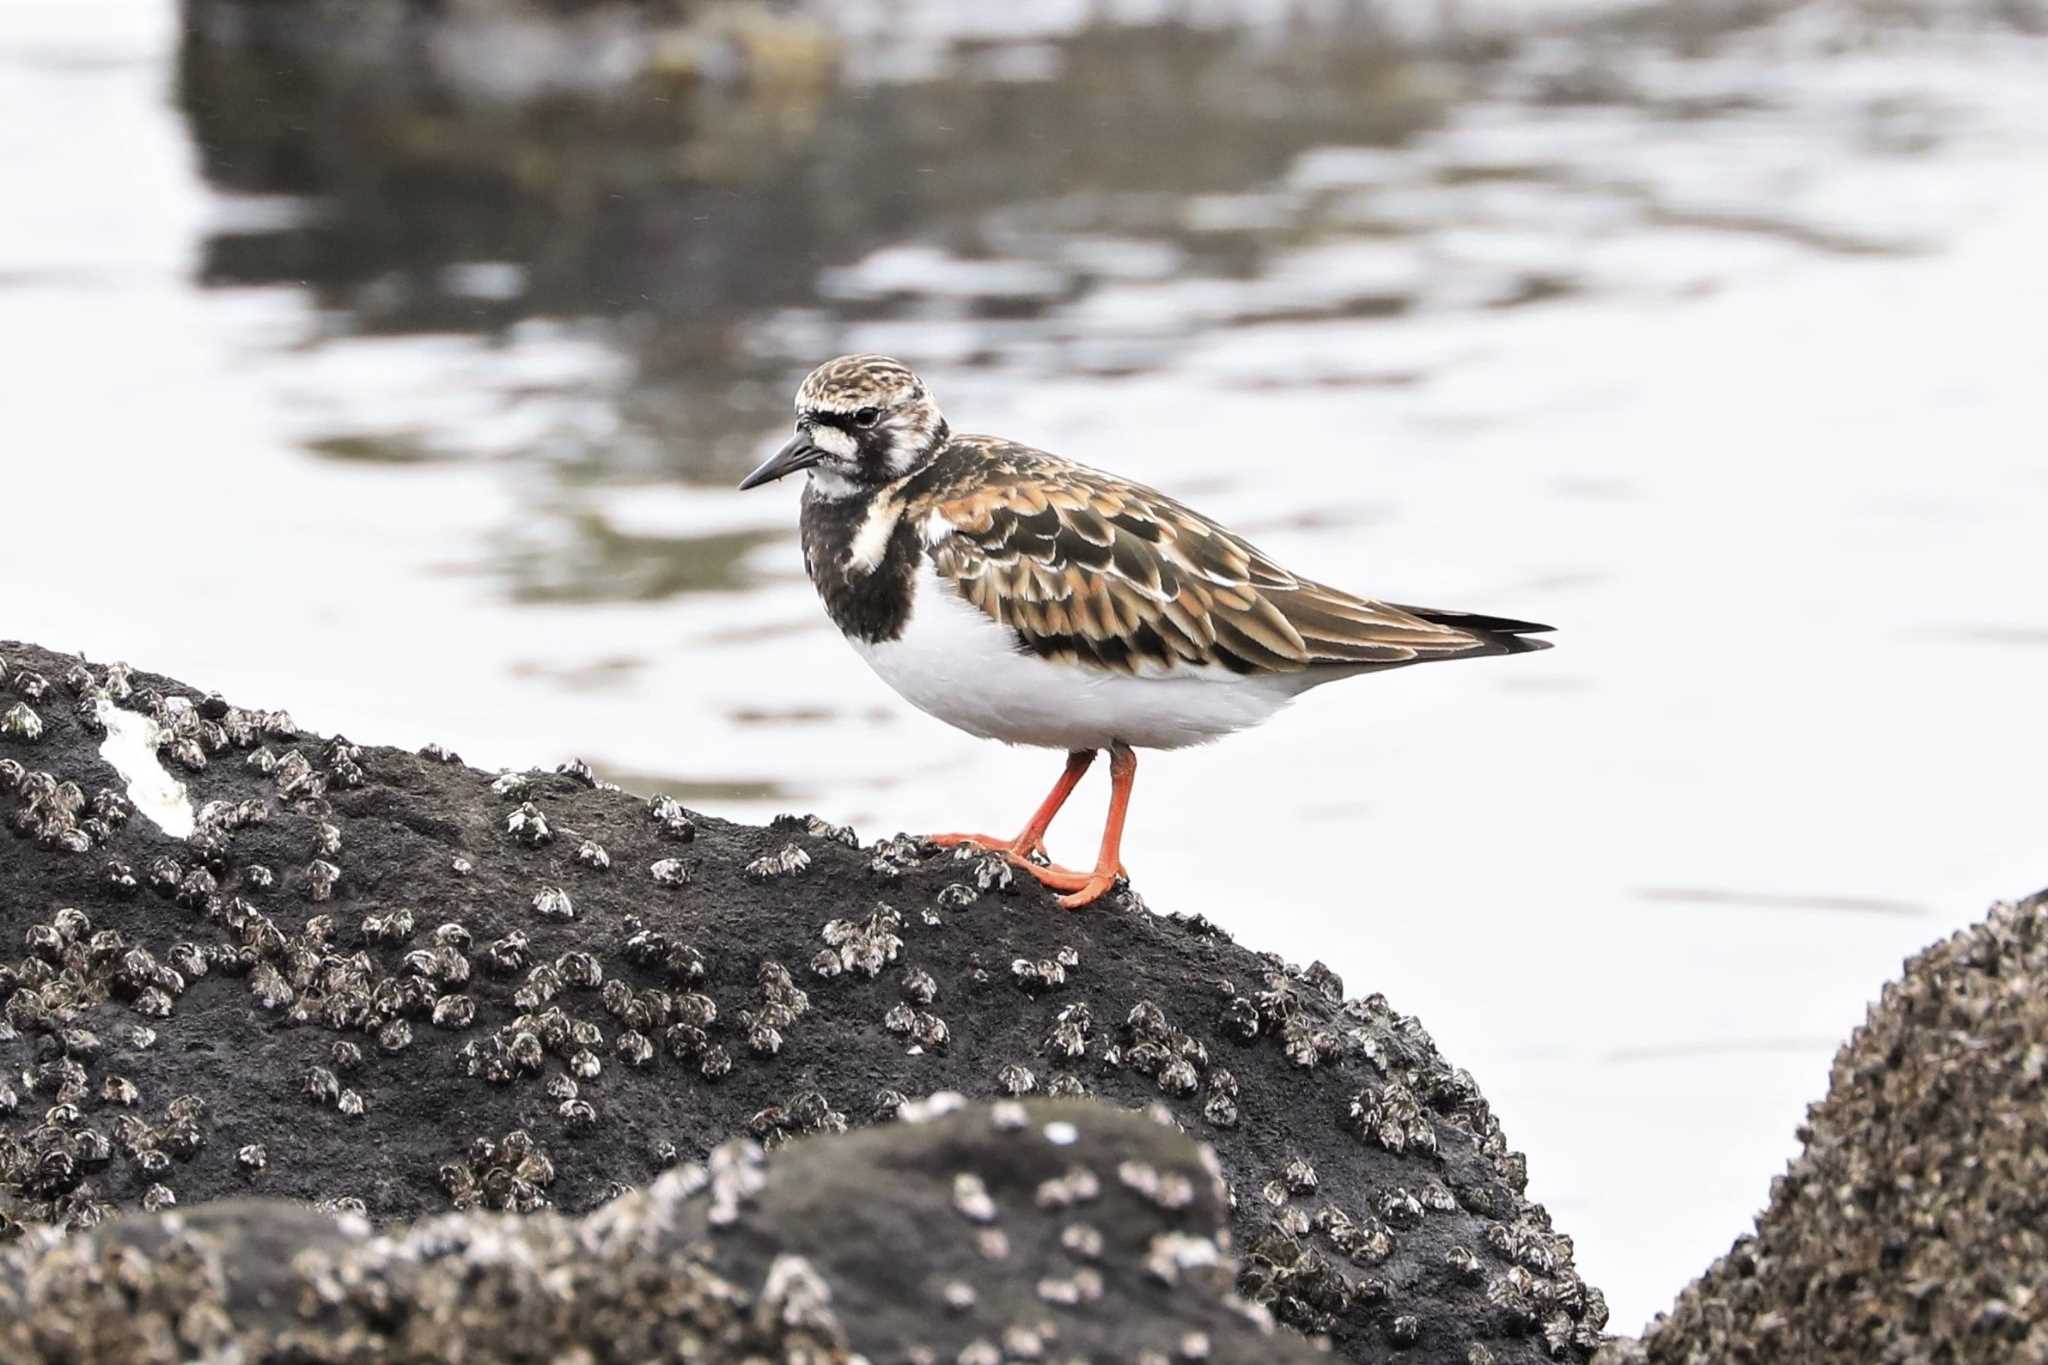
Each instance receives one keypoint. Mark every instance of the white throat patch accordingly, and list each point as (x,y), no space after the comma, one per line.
(829,486)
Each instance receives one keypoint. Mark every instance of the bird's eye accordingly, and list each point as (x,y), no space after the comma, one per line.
(867,417)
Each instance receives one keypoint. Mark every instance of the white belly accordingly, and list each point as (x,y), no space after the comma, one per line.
(953,662)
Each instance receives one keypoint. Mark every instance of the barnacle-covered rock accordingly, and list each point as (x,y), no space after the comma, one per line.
(1909,1227)
(344,1039)
(744,1258)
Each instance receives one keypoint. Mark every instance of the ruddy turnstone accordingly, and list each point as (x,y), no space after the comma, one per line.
(1026,598)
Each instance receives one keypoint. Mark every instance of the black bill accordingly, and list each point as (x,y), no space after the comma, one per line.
(798,454)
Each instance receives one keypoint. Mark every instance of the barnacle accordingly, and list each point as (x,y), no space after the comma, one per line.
(671,819)
(1042,975)
(513,786)
(786,862)
(529,826)
(864,947)
(321,877)
(21,722)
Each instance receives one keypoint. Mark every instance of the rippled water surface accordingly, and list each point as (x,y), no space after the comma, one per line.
(411,396)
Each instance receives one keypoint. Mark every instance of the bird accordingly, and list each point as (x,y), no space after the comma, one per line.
(1023,597)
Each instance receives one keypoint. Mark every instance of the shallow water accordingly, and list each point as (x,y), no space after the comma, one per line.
(1721,352)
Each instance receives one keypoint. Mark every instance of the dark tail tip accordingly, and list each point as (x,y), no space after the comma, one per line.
(1511,642)
(1503,634)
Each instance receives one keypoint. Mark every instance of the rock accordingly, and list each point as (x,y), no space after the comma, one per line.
(1061,1229)
(1910,1227)
(352,983)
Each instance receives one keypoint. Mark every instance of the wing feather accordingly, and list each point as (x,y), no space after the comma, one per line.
(1086,566)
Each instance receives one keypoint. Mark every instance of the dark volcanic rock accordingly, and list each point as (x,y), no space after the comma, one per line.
(397,985)
(1914,1226)
(1061,1230)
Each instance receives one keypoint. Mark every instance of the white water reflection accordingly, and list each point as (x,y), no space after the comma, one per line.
(1734,380)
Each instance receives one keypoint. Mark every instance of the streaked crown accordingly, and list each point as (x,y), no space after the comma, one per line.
(852,382)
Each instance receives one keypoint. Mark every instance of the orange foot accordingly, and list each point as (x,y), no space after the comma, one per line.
(1086,887)
(1091,891)
(1013,849)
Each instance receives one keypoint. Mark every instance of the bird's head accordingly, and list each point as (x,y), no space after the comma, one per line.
(861,421)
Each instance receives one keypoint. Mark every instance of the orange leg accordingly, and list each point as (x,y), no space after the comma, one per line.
(1123,767)
(1032,840)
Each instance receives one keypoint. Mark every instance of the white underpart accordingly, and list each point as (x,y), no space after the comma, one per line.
(953,662)
(130,749)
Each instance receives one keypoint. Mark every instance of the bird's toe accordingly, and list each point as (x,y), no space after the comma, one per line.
(1090,891)
(987,841)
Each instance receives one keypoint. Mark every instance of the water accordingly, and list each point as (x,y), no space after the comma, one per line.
(397,402)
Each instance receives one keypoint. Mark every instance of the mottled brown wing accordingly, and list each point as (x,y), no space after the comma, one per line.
(1085,566)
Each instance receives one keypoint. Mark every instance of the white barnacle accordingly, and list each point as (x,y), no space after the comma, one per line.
(21,722)
(1170,1253)
(936,1105)
(787,862)
(529,825)
(512,785)
(972,1199)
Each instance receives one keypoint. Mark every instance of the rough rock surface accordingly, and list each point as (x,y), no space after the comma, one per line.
(1914,1225)
(397,985)
(1065,1229)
